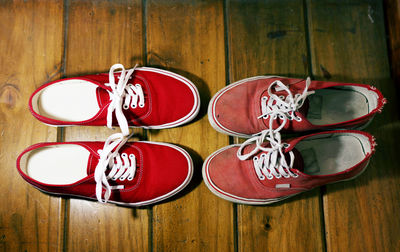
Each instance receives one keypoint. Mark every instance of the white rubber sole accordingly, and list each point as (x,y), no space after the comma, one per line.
(235,199)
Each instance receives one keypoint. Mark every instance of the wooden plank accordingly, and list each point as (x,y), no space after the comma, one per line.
(100,34)
(350,45)
(189,40)
(392,8)
(269,38)
(30,55)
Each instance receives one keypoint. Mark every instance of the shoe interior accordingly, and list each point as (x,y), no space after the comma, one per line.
(332,153)
(71,100)
(56,164)
(340,104)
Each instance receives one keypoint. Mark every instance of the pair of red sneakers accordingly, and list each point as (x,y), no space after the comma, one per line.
(117,171)
(259,108)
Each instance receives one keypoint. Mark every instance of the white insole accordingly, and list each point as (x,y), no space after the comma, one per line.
(58,164)
(328,106)
(70,100)
(330,155)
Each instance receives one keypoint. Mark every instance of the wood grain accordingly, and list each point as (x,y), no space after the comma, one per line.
(269,38)
(100,34)
(31,54)
(360,215)
(392,8)
(189,40)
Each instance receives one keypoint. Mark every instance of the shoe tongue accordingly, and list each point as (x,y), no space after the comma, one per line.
(102,96)
(304,109)
(298,163)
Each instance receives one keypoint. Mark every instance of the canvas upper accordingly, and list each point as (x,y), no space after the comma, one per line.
(72,169)
(239,108)
(317,159)
(154,98)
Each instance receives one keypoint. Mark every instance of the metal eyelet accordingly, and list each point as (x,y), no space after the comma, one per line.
(264,98)
(255,158)
(124,155)
(270,177)
(295,175)
(137,85)
(261,177)
(286,145)
(130,178)
(141,105)
(278,176)
(131,155)
(125,106)
(282,97)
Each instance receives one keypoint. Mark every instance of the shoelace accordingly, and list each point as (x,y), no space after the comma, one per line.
(122,166)
(274,106)
(123,95)
(273,162)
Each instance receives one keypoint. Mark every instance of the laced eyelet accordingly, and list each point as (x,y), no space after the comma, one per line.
(261,177)
(122,179)
(114,178)
(298,118)
(278,176)
(286,145)
(131,155)
(137,85)
(141,105)
(281,117)
(282,97)
(270,177)
(255,158)
(286,176)
(124,155)
(133,106)
(130,85)
(130,178)
(263,155)
(274,117)
(295,175)
(265,117)
(125,106)
(264,98)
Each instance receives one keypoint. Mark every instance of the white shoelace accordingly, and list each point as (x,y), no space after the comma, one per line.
(121,166)
(123,96)
(274,106)
(272,162)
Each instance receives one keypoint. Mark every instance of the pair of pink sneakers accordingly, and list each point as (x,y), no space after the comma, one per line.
(117,171)
(262,172)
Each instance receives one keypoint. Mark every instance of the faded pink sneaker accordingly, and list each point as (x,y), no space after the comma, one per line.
(115,171)
(260,173)
(245,108)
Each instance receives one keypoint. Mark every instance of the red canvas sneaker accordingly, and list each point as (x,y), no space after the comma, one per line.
(140,97)
(260,173)
(245,108)
(116,171)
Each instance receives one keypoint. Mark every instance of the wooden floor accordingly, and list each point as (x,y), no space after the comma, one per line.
(213,43)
